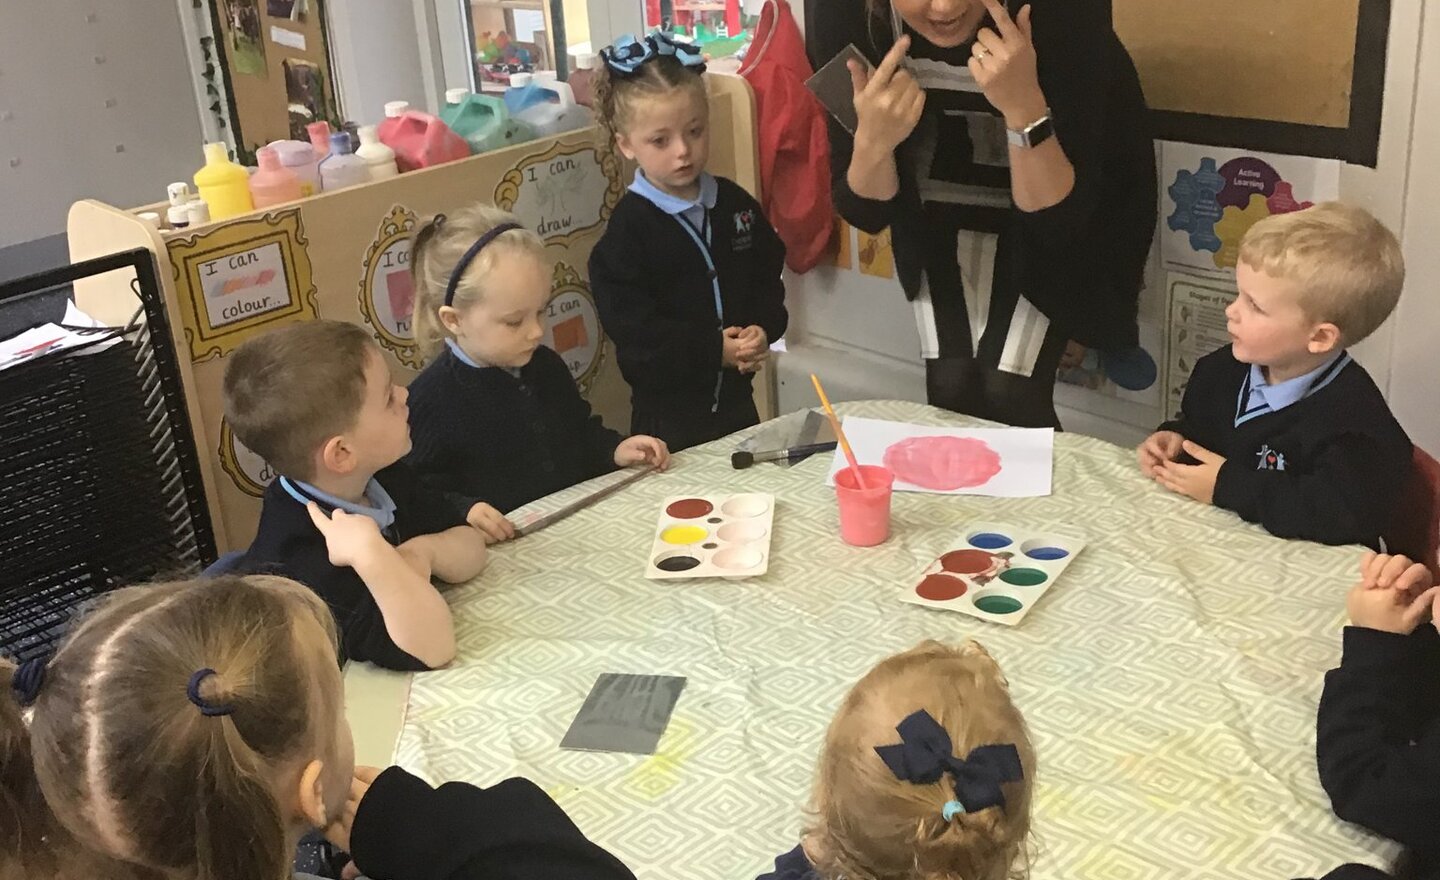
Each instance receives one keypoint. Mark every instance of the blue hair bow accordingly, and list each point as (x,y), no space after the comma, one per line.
(629,53)
(684,51)
(925,753)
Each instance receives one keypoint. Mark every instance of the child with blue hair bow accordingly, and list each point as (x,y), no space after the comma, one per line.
(687,275)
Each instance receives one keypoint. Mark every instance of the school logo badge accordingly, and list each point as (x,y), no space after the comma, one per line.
(744,226)
(1269,459)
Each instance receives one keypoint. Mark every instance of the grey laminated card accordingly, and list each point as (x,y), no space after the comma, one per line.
(833,86)
(624,713)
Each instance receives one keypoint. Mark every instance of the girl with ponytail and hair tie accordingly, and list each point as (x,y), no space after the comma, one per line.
(196,731)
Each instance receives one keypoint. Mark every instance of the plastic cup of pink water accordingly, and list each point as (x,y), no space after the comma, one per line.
(864,513)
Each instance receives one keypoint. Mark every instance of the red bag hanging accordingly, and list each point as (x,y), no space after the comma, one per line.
(794,142)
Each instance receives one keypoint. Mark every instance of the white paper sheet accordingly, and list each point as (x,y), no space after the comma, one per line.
(998,462)
(48,338)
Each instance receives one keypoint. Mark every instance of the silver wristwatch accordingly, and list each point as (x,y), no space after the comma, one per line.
(1032,135)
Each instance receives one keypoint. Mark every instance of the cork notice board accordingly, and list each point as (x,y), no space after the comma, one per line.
(277,69)
(1288,76)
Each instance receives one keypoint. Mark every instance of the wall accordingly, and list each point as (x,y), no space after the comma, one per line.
(95,102)
(1414,359)
(376,49)
(862,326)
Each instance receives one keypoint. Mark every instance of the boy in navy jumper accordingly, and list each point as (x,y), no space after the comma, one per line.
(1282,426)
(316,400)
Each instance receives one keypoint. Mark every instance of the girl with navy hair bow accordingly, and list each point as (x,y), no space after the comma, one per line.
(926,774)
(687,275)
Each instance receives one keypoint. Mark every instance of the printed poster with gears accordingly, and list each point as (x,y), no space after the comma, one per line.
(1210,197)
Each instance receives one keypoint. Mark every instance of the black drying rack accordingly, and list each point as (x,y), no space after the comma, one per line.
(100,482)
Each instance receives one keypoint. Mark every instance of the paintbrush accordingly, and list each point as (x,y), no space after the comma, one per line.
(743,459)
(554,516)
(839,432)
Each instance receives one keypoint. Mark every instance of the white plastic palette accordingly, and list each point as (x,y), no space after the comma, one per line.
(995,572)
(700,536)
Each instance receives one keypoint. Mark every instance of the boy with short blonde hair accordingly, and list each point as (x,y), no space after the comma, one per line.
(345,518)
(1282,426)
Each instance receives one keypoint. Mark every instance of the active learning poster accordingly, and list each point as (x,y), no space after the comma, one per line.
(1211,196)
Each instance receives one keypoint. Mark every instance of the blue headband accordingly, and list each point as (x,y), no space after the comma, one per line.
(924,754)
(470,256)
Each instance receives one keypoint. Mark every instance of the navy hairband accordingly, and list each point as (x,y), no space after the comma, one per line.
(470,255)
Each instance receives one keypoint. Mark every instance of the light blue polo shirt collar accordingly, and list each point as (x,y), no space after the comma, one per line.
(383,512)
(468,361)
(1259,397)
(709,192)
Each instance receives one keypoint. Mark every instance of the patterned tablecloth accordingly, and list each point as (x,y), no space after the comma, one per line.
(1170,677)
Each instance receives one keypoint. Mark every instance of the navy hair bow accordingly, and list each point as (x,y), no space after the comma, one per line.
(629,52)
(925,753)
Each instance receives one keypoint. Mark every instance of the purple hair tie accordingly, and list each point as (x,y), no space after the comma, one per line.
(207,708)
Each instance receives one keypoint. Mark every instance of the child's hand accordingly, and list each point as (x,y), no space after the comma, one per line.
(733,346)
(1158,448)
(1391,609)
(338,831)
(757,350)
(348,536)
(641,449)
(490,522)
(1381,570)
(1195,480)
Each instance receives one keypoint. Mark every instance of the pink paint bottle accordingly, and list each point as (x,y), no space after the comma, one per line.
(273,184)
(319,133)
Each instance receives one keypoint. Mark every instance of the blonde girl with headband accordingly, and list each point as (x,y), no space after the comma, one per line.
(926,774)
(687,274)
(197,730)
(495,417)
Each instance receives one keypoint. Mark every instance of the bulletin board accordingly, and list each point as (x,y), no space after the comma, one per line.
(344,256)
(276,65)
(1300,77)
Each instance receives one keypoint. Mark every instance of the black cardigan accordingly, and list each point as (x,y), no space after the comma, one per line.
(1080,262)
(1378,744)
(480,434)
(655,298)
(406,830)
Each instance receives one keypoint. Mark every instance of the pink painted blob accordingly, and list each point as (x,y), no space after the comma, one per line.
(943,463)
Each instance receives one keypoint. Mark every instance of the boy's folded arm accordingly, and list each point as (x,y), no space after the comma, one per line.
(1343,496)
(456,554)
(416,616)
(1378,767)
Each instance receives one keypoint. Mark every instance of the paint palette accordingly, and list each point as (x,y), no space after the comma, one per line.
(725,536)
(995,572)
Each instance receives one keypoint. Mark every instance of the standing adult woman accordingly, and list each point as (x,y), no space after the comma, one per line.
(1010,157)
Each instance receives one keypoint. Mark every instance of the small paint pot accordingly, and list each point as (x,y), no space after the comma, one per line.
(864,513)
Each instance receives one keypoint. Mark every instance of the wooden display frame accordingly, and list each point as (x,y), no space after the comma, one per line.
(338,256)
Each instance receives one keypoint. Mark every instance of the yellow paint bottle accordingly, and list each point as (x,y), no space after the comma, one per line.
(223,185)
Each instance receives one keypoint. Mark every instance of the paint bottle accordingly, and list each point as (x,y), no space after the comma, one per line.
(150,217)
(556,116)
(273,184)
(300,158)
(198,211)
(483,121)
(419,139)
(179,194)
(342,168)
(523,93)
(582,78)
(223,185)
(319,133)
(379,159)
